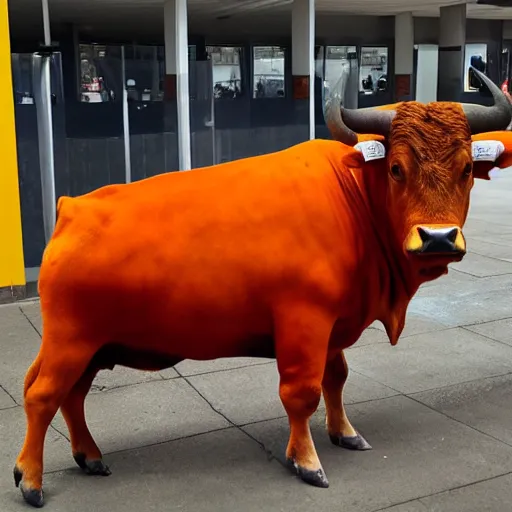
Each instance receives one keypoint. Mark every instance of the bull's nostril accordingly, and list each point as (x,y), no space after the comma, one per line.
(452,235)
(424,234)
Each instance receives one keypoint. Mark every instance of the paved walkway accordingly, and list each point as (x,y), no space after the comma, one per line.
(208,436)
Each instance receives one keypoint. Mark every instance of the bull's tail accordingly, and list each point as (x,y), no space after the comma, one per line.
(32,374)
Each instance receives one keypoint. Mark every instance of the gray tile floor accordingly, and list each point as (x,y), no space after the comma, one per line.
(210,436)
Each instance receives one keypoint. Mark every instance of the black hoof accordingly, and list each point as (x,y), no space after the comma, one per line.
(315,477)
(92,467)
(351,442)
(33,497)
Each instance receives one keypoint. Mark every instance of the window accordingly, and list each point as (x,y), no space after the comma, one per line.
(227,71)
(268,72)
(476,56)
(336,61)
(373,70)
(145,71)
(21,64)
(100,73)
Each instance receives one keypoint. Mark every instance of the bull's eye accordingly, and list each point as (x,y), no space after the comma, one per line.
(467,169)
(396,172)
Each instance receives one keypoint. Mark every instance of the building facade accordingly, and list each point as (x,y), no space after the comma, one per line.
(177,88)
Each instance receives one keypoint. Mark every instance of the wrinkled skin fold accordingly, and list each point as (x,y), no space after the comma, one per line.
(288,255)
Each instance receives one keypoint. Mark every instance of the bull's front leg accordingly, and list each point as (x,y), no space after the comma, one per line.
(341,432)
(302,338)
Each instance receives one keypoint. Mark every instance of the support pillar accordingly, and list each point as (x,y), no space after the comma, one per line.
(452,41)
(177,75)
(303,56)
(404,56)
(12,267)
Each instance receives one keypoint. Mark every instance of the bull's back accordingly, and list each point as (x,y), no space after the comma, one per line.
(183,254)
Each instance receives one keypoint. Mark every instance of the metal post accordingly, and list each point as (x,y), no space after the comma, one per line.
(126,123)
(42,94)
(311,34)
(182,88)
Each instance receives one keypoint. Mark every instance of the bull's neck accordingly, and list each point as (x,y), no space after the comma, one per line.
(397,283)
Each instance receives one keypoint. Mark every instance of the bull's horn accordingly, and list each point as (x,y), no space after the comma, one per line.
(487,119)
(344,124)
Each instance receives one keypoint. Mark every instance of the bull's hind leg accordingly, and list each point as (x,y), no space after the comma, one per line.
(60,363)
(85,451)
(301,348)
(341,432)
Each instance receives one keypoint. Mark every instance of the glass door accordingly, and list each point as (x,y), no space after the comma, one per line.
(150,118)
(202,113)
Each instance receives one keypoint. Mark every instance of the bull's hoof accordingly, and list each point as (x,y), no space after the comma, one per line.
(351,442)
(92,467)
(315,477)
(33,497)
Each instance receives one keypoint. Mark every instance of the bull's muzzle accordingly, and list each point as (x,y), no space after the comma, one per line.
(436,240)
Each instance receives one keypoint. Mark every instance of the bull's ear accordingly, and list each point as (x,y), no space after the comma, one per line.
(369,148)
(491,150)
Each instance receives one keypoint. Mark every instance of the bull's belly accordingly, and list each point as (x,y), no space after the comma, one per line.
(153,358)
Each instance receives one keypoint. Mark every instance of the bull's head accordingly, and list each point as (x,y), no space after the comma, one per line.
(433,152)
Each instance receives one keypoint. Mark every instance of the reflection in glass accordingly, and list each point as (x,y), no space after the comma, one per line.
(373,70)
(336,61)
(268,72)
(476,56)
(504,67)
(94,87)
(227,71)
(22,78)
(145,71)
(23,87)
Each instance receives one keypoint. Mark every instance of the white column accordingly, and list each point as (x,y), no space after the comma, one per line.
(303,55)
(42,95)
(404,55)
(452,44)
(426,73)
(176,63)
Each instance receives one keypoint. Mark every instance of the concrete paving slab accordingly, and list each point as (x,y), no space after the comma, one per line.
(19,343)
(491,496)
(416,452)
(415,324)
(6,401)
(454,278)
(170,373)
(252,394)
(482,404)
(490,250)
(32,310)
(190,367)
(504,239)
(478,301)
(500,330)
(215,472)
(477,226)
(411,506)
(432,360)
(120,376)
(371,336)
(148,413)
(483,266)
